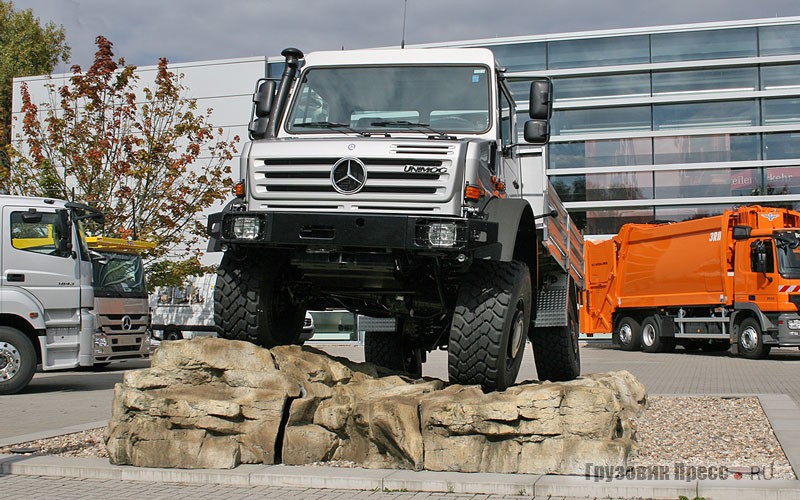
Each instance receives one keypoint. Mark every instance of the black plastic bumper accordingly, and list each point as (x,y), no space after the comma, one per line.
(337,231)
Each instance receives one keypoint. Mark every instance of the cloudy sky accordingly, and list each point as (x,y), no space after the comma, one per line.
(195,30)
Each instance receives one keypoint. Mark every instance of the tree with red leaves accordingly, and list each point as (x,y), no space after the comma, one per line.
(147,158)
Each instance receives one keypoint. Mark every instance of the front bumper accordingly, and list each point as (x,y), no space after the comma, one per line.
(342,230)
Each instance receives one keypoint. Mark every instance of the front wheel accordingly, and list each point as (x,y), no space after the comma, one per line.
(751,340)
(490,325)
(17,360)
(252,301)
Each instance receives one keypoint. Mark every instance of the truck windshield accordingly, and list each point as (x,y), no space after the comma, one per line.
(380,99)
(122,275)
(788,243)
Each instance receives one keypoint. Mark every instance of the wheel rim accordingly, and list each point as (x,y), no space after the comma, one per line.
(625,334)
(749,338)
(10,361)
(517,333)
(648,335)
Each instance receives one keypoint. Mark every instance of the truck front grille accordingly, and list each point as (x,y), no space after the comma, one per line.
(384,176)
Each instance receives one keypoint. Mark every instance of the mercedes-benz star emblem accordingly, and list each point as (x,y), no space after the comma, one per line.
(348,175)
(126,323)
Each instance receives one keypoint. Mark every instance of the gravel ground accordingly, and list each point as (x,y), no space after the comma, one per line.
(693,431)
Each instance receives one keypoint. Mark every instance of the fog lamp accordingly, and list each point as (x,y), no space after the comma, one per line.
(442,234)
(246,228)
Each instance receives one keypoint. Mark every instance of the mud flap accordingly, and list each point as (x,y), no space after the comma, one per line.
(552,303)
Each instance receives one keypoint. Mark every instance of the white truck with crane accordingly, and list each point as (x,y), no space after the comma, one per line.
(392,183)
(46,294)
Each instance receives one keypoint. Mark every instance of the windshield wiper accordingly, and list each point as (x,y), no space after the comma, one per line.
(332,126)
(425,127)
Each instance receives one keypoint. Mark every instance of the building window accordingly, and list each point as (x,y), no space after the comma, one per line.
(682,213)
(780,77)
(705,115)
(705,148)
(605,153)
(610,221)
(582,121)
(697,45)
(593,87)
(781,111)
(782,145)
(604,187)
(705,80)
(707,183)
(521,56)
(612,51)
(779,40)
(782,180)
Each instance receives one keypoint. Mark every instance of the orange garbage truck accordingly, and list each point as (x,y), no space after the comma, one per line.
(710,283)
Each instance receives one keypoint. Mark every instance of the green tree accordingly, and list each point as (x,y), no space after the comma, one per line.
(26,48)
(143,154)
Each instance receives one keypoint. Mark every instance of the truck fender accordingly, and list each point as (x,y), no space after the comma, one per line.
(745,309)
(508,214)
(18,302)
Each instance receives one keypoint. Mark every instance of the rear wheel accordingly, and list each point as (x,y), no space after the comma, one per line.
(17,360)
(751,340)
(555,349)
(628,334)
(390,350)
(652,341)
(490,325)
(253,303)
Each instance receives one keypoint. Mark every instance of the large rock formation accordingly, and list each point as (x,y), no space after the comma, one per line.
(213,403)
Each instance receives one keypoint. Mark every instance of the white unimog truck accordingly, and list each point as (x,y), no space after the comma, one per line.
(392,183)
(46,295)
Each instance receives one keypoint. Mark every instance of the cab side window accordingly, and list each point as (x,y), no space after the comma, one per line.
(38,233)
(762,257)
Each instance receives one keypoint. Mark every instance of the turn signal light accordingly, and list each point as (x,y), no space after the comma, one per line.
(473,193)
(238,189)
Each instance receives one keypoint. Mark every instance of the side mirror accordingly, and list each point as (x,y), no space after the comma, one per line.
(537,132)
(63,234)
(263,98)
(540,103)
(741,232)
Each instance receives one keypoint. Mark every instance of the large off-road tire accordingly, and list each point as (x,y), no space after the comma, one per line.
(652,340)
(390,350)
(251,301)
(555,349)
(17,360)
(751,340)
(490,325)
(628,334)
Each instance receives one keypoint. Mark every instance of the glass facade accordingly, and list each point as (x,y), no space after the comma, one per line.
(668,123)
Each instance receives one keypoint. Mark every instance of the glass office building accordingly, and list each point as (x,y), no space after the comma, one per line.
(666,123)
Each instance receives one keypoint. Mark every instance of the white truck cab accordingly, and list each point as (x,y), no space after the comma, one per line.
(46,295)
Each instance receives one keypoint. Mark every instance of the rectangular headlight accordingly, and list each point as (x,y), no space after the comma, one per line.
(794,324)
(246,227)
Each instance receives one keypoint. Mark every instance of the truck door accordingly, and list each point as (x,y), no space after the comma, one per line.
(510,172)
(756,272)
(36,260)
